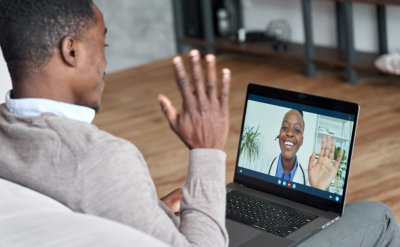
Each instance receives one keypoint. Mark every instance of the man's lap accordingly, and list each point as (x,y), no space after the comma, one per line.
(364,223)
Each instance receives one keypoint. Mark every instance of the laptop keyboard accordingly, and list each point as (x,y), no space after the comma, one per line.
(264,215)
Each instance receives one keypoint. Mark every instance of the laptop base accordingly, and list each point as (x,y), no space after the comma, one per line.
(243,235)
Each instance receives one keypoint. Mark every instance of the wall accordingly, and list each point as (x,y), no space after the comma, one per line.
(142,31)
(258,13)
(138,31)
(5,80)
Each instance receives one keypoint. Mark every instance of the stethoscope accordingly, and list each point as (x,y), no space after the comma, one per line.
(301,168)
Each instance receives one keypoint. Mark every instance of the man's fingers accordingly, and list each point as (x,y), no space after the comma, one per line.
(197,74)
(173,200)
(168,110)
(211,77)
(226,84)
(182,81)
(202,123)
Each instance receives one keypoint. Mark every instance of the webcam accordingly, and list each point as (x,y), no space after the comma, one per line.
(301,96)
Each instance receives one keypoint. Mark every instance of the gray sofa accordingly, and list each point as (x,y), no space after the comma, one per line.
(28,218)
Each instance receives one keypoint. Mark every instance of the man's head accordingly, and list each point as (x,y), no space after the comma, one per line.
(291,134)
(54,49)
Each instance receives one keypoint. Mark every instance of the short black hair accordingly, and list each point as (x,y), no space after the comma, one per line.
(301,114)
(30,30)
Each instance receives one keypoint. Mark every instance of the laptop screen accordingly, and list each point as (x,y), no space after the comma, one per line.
(281,143)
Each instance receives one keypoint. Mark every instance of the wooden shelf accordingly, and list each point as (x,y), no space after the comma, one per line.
(373,2)
(365,61)
(294,51)
(323,55)
(378,2)
(342,56)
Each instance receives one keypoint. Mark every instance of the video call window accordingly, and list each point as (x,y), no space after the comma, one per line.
(261,146)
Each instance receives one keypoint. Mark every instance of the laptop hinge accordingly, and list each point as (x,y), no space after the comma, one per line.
(330,222)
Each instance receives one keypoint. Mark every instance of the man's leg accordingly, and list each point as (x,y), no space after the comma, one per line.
(364,223)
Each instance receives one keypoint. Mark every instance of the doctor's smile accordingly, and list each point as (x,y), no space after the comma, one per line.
(289,144)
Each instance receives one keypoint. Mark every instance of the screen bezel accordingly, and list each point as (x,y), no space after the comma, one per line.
(309,100)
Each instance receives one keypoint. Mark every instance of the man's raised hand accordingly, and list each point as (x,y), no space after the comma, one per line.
(203,121)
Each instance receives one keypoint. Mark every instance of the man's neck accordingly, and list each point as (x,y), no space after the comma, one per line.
(45,87)
(52,81)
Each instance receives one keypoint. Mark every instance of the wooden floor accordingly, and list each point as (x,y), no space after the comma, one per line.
(130,110)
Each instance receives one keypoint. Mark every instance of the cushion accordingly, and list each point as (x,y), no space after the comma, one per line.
(28,218)
(16,199)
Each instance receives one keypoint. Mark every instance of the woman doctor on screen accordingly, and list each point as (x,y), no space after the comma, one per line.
(286,164)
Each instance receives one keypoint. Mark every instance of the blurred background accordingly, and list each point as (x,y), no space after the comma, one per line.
(140,32)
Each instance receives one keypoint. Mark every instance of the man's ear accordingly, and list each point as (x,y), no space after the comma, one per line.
(69,50)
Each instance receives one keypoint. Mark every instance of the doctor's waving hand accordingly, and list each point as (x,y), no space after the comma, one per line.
(322,173)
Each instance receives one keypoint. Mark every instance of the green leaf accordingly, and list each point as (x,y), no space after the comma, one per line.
(250,142)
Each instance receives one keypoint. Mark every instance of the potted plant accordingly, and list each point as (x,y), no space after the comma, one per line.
(341,173)
(250,146)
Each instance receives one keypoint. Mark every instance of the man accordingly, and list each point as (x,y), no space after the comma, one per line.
(55,55)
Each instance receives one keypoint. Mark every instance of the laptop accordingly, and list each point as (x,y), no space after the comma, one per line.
(272,200)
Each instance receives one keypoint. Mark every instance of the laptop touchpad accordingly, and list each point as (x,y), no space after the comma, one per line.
(242,235)
(267,239)
(239,233)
